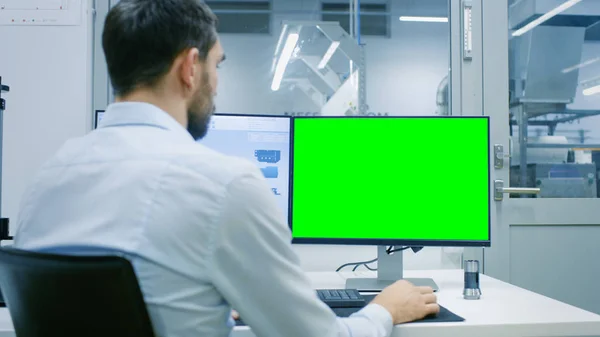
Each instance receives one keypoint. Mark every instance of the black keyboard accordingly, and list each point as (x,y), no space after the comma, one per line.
(342,298)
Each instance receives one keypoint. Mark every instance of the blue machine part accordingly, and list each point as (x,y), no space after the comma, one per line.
(267,156)
(270,172)
(565,171)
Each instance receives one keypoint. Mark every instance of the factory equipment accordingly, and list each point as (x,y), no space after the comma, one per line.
(552,167)
(596,159)
(545,48)
(323,61)
(539,153)
(558,180)
(442,100)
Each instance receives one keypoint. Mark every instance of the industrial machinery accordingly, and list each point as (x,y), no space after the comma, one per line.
(324,62)
(546,58)
(546,50)
(442,100)
(558,180)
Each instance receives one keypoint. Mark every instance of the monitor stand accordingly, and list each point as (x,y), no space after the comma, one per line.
(389,270)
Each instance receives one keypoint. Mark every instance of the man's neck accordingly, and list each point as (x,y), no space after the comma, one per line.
(176,109)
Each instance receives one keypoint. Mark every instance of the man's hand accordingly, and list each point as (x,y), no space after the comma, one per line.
(235,315)
(407,303)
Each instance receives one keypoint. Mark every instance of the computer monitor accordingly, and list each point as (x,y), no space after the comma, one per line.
(264,140)
(390,181)
(98,117)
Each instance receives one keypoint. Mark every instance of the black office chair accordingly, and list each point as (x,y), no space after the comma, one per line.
(57,295)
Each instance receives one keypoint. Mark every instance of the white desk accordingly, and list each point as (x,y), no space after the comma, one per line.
(503,311)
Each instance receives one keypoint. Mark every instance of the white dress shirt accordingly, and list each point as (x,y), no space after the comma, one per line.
(202,230)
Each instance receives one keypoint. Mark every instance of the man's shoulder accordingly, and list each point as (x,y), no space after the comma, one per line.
(217,166)
(193,159)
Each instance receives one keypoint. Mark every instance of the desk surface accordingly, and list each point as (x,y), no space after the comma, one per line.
(504,310)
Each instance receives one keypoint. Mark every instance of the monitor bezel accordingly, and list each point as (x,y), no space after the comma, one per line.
(290,118)
(389,242)
(96,113)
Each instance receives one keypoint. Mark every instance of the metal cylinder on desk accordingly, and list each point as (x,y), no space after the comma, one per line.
(471,290)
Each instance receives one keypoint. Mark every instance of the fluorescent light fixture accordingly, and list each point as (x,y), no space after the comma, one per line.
(566,5)
(581,65)
(423,19)
(283,34)
(284,59)
(332,48)
(592,90)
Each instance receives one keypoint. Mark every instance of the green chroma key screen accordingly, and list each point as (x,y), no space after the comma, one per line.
(379,180)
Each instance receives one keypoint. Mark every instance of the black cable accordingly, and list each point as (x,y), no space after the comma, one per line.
(370,268)
(354,264)
(389,250)
(366,266)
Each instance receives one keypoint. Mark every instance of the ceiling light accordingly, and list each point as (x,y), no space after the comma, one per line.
(423,19)
(581,65)
(332,48)
(566,5)
(592,90)
(284,59)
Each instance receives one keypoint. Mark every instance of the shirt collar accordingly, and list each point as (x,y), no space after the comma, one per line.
(140,113)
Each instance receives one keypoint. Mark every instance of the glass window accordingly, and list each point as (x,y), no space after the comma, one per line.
(242,17)
(554,87)
(374,18)
(406,46)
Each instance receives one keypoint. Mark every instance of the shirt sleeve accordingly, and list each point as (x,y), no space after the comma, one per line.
(255,269)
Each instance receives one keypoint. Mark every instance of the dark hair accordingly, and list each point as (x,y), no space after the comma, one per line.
(142,38)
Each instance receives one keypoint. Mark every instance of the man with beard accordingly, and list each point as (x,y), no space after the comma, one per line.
(202,230)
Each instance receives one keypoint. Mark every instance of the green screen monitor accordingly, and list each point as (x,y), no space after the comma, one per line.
(410,181)
(394,182)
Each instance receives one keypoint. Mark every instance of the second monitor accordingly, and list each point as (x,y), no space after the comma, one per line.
(263,140)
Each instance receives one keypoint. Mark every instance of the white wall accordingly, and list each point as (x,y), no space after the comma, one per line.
(48,71)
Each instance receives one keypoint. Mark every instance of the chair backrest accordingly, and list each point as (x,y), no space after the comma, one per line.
(65,295)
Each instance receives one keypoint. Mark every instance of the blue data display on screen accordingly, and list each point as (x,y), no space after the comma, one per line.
(265,141)
(267,156)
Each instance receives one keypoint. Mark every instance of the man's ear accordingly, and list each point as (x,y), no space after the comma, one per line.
(189,66)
